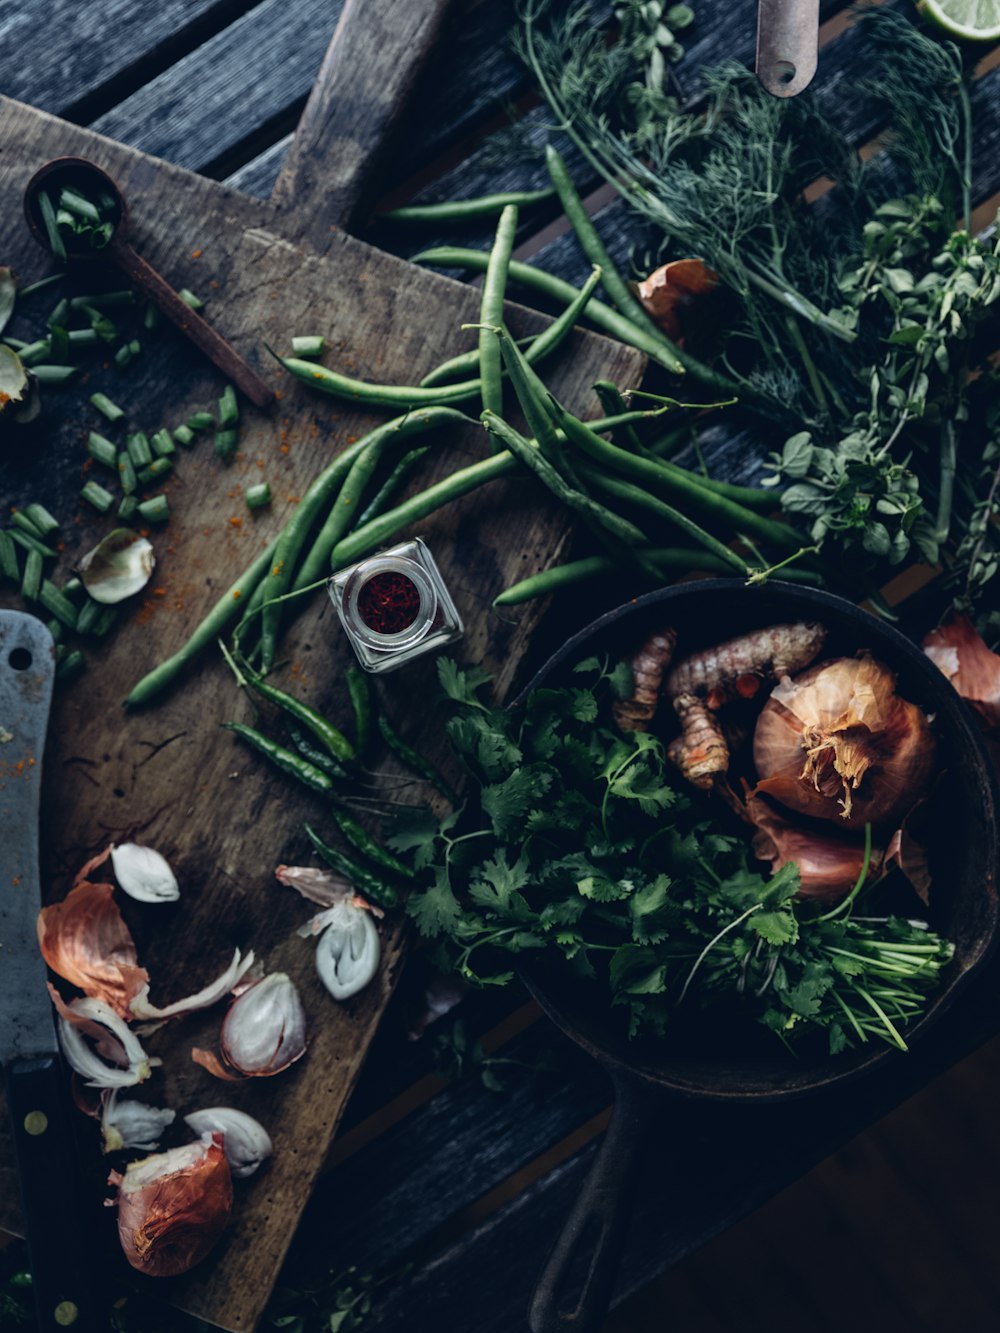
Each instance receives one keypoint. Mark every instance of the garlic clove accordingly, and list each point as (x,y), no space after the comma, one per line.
(348,952)
(203,999)
(265,1029)
(120,565)
(84,940)
(173,1207)
(144,874)
(246,1142)
(132,1124)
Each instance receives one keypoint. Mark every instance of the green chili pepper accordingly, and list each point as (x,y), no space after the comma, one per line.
(359,688)
(367,883)
(334,740)
(317,756)
(416,761)
(292,764)
(358,836)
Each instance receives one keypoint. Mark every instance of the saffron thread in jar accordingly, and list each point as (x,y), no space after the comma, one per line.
(389,602)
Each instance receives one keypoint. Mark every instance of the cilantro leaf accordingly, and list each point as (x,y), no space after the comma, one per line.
(775,927)
(436,910)
(637,970)
(416,830)
(506,803)
(462,685)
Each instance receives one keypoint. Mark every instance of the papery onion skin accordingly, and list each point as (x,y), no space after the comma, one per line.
(169,1224)
(829,862)
(973,669)
(836,725)
(84,940)
(246,1142)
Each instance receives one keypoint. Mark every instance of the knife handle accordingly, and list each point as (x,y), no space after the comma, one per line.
(57,1226)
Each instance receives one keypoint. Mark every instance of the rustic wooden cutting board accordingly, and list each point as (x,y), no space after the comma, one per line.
(169,775)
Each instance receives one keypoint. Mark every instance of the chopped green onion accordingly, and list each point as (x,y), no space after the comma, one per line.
(184,435)
(51,226)
(123,356)
(105,328)
(58,604)
(163,444)
(22,521)
(106,407)
(76,203)
(60,315)
(42,283)
(71,665)
(311,345)
(159,467)
(135,346)
(53,374)
(151,317)
(126,470)
(41,518)
(229,408)
(200,420)
(31,580)
(258,496)
(101,299)
(225,443)
(32,544)
(53,626)
(138,448)
(58,346)
(34,352)
(155,510)
(189,299)
(87,616)
(9,566)
(72,587)
(96,495)
(81,337)
(102,450)
(129,504)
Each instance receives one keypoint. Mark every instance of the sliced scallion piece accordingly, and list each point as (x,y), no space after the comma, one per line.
(200,421)
(31,579)
(58,604)
(159,467)
(309,345)
(225,443)
(229,408)
(30,543)
(101,300)
(102,450)
(71,665)
(163,444)
(48,214)
(257,497)
(106,407)
(189,299)
(128,506)
(126,470)
(41,518)
(138,448)
(184,435)
(9,566)
(22,521)
(155,510)
(53,374)
(35,352)
(60,315)
(95,494)
(123,356)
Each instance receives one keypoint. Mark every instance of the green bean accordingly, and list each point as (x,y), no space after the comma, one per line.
(679,485)
(345,506)
(461,210)
(367,883)
(317,756)
(532,396)
(612,401)
(319,557)
(619,528)
(380,395)
(466,363)
(359,837)
(31,579)
(392,484)
(378,531)
(602,316)
(359,689)
(57,604)
(324,731)
(9,565)
(416,761)
(48,212)
(221,614)
(595,250)
(641,499)
(294,765)
(491,311)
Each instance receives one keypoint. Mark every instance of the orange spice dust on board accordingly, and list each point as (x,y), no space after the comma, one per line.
(196,254)
(236,521)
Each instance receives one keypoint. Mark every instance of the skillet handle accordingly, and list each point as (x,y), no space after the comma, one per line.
(575,1288)
(368,72)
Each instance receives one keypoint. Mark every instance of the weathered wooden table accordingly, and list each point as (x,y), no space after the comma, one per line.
(444,1190)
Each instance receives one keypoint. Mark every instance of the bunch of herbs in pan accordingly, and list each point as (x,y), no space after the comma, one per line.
(577,844)
(855,318)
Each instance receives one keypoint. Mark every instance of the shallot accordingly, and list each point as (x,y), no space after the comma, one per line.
(837,742)
(132,1124)
(246,1142)
(174,1206)
(119,566)
(263,1033)
(144,874)
(348,952)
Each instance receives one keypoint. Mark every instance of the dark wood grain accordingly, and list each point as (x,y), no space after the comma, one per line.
(347,126)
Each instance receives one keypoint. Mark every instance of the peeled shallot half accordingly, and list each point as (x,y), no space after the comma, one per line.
(839,743)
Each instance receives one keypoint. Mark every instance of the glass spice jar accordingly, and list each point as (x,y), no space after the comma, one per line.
(395,606)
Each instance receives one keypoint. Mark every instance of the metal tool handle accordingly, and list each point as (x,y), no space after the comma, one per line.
(347,121)
(56,1224)
(787,45)
(576,1285)
(191,324)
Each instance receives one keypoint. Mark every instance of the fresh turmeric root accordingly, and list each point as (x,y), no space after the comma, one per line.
(737,668)
(648,666)
(700,751)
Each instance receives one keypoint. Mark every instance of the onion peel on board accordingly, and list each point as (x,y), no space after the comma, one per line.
(957,649)
(669,294)
(84,940)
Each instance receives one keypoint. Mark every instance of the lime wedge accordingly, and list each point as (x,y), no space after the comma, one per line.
(974,20)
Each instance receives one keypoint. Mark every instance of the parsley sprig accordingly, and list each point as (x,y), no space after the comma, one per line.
(576,841)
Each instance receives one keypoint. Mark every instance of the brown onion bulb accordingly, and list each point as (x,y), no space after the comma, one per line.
(838,743)
(174,1206)
(829,863)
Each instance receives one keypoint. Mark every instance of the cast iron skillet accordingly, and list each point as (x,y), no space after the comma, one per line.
(750,1066)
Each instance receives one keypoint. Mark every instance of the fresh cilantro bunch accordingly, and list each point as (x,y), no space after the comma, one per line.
(576,841)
